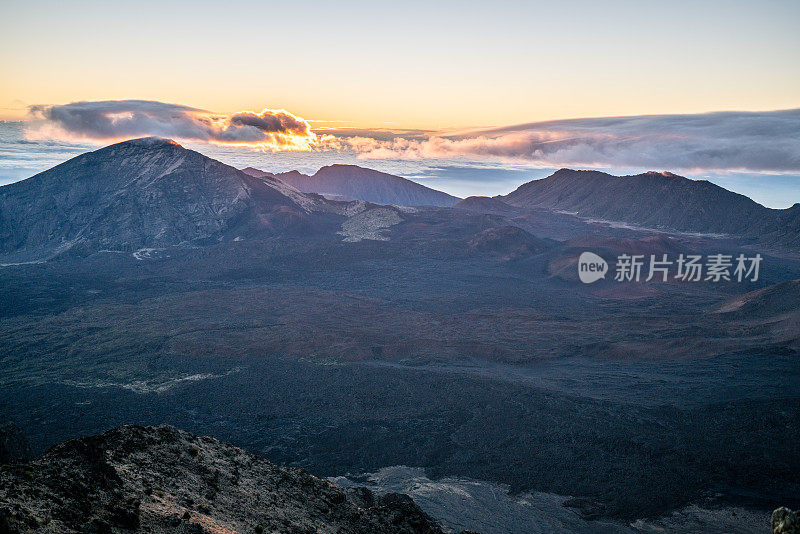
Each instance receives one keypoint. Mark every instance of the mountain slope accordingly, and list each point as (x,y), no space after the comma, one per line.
(142,193)
(160,479)
(359,183)
(771,301)
(773,309)
(486,205)
(256,173)
(651,199)
(787,230)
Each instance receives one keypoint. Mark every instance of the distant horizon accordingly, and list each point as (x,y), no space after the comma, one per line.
(458,180)
(467,98)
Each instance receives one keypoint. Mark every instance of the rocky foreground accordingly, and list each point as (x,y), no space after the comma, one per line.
(160,479)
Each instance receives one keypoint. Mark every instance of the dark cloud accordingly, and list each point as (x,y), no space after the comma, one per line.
(118,119)
(272,122)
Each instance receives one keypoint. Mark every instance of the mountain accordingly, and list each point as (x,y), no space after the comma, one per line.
(359,183)
(160,479)
(653,199)
(146,192)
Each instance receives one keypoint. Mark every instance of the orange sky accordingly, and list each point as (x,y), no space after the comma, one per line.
(448,65)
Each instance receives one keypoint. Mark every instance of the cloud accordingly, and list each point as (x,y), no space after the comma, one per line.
(125,119)
(761,142)
(724,141)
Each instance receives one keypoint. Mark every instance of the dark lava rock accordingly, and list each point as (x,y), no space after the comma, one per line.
(587,508)
(13,445)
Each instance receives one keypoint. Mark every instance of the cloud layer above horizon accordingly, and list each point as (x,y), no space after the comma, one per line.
(124,119)
(760,142)
(722,141)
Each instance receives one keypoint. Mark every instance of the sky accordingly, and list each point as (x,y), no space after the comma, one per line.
(618,85)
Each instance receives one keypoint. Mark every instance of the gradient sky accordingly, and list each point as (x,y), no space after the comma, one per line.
(430,65)
(469,97)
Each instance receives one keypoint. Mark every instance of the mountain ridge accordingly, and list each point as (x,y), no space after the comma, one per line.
(361,183)
(659,200)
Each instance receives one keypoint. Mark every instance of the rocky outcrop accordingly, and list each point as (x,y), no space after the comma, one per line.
(370,225)
(160,479)
(785,521)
